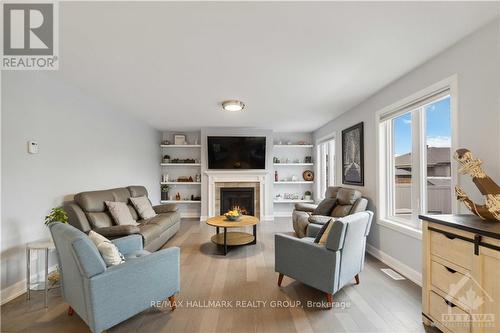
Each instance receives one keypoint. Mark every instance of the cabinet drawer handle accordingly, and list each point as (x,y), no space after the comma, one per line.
(450,270)
(449,236)
(450,304)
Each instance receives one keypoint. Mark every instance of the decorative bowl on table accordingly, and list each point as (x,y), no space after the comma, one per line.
(233,215)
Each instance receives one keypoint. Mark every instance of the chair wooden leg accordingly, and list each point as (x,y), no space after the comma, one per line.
(280,279)
(356,277)
(329,299)
(70,311)
(173,305)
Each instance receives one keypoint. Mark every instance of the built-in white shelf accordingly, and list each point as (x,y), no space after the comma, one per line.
(181,201)
(180,183)
(295,182)
(181,164)
(180,146)
(293,164)
(283,201)
(293,146)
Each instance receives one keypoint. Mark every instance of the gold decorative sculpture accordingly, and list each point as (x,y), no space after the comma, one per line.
(471,166)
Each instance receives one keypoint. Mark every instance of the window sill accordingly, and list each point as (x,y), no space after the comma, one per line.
(401,228)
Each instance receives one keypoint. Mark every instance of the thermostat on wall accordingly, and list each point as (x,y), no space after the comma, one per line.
(32,147)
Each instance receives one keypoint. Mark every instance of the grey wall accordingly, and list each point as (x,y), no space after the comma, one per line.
(475,60)
(84,145)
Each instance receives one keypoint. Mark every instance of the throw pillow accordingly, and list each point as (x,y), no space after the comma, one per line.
(120,212)
(341,210)
(325,207)
(322,231)
(109,252)
(324,237)
(143,207)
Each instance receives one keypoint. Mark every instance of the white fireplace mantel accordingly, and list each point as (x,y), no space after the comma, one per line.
(222,176)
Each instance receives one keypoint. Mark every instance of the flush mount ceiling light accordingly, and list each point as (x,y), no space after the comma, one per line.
(233,105)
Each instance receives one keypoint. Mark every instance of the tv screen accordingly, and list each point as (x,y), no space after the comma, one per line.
(236,152)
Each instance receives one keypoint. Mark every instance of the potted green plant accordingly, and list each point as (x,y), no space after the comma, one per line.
(56,215)
(164,191)
(307,195)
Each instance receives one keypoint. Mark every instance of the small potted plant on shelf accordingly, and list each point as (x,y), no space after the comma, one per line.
(56,215)
(164,192)
(307,195)
(166,159)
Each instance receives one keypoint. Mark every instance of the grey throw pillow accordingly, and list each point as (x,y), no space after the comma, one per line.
(120,212)
(325,207)
(143,207)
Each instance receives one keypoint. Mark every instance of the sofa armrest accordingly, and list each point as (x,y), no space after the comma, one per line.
(166,208)
(319,219)
(118,230)
(128,244)
(76,216)
(305,207)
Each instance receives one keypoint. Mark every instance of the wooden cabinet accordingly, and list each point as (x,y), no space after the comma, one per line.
(461,273)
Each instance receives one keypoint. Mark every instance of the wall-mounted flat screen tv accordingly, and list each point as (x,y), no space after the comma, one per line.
(236,152)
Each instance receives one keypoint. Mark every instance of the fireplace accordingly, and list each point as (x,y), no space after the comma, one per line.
(242,198)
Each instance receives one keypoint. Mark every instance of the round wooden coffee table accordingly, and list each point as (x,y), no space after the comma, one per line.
(233,238)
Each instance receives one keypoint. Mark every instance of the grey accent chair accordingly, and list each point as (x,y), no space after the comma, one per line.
(326,267)
(339,202)
(105,296)
(88,212)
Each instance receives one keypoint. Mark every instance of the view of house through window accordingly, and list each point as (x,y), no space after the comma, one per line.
(418,160)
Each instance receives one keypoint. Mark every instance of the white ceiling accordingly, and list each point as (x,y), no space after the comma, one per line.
(295,65)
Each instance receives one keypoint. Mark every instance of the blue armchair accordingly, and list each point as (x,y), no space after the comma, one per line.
(326,267)
(105,296)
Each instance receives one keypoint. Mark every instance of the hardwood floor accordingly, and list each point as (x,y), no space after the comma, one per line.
(246,274)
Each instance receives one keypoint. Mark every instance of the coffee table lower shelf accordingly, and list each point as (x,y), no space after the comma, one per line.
(233,238)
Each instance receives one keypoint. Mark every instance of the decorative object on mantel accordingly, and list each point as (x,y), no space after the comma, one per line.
(353,155)
(179,139)
(308,175)
(164,191)
(489,189)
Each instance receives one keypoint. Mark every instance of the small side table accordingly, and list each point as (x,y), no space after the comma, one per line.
(38,246)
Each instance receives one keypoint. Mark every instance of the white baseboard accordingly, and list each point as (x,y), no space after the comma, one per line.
(18,288)
(188,215)
(283,214)
(203,218)
(395,264)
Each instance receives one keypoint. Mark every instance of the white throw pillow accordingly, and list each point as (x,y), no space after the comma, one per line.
(109,252)
(120,212)
(143,207)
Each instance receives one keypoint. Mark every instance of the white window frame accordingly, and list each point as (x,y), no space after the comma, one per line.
(385,167)
(321,146)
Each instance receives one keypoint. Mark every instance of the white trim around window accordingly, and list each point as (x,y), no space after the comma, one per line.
(450,86)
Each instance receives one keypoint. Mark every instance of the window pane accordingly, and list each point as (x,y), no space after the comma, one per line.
(438,143)
(402,155)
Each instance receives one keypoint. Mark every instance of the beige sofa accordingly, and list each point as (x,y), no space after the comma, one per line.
(88,212)
(338,202)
